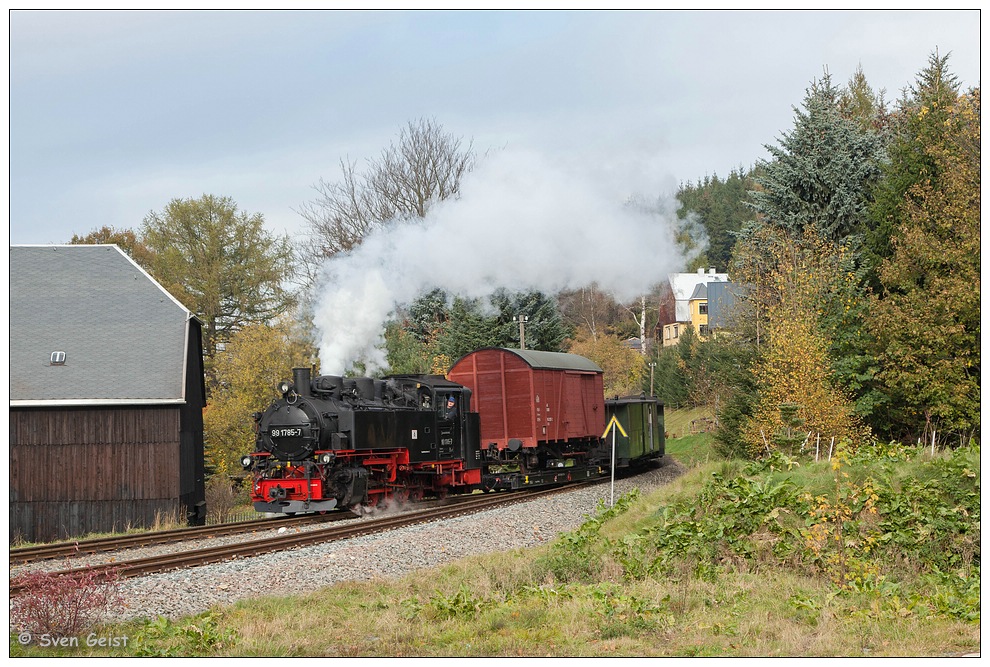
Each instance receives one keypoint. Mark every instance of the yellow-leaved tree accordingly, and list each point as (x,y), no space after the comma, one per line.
(799,399)
(623,366)
(248,370)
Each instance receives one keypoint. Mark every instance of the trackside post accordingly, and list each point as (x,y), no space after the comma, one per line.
(613,422)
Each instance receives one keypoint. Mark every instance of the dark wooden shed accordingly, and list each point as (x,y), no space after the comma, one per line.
(533,396)
(106,396)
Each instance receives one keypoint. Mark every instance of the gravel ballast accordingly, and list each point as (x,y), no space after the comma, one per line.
(392,554)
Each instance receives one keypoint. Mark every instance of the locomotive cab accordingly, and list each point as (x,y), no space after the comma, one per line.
(447,428)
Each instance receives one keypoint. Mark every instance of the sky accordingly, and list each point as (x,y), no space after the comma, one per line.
(112,114)
(586,124)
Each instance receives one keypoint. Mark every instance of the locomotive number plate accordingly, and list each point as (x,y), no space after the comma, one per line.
(286,432)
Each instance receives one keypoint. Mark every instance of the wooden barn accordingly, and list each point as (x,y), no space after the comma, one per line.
(106,396)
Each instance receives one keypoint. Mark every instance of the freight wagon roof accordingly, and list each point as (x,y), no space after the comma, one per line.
(640,398)
(547,360)
(124,337)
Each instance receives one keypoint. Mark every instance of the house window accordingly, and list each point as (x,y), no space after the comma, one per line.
(703,329)
(703,308)
(675,331)
(666,333)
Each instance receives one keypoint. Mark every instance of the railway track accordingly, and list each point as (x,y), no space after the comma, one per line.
(164,563)
(24,555)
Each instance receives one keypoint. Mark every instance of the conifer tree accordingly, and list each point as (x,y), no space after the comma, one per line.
(919,122)
(927,319)
(721,209)
(822,171)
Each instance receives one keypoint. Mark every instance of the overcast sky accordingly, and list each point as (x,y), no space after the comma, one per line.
(113,114)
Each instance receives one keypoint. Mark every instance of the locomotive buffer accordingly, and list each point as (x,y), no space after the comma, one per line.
(613,424)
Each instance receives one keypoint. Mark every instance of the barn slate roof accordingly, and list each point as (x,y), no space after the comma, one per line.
(124,337)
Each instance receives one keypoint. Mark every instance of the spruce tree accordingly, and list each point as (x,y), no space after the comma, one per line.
(919,122)
(822,171)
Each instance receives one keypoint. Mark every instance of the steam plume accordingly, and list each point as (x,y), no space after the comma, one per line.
(520,224)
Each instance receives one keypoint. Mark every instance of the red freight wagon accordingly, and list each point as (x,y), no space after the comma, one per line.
(527,398)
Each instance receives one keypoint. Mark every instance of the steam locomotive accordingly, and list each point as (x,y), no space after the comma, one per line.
(502,419)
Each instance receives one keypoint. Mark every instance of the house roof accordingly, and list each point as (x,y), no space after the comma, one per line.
(700,292)
(722,298)
(124,337)
(683,286)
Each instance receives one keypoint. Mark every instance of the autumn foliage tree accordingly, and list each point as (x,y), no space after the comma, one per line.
(248,370)
(221,263)
(623,367)
(804,298)
(794,367)
(125,239)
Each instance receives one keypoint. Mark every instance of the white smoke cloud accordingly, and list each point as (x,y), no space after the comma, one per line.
(520,223)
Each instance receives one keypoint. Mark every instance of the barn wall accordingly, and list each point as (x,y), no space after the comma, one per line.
(76,470)
(192,477)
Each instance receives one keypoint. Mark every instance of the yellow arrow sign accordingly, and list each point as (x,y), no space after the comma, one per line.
(614,422)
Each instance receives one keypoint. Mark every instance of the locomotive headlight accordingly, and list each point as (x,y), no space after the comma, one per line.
(246,462)
(326,458)
(284,386)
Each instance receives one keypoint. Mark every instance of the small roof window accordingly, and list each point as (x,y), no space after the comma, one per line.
(58,358)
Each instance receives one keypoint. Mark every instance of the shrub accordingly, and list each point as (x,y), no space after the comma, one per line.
(220,498)
(63,605)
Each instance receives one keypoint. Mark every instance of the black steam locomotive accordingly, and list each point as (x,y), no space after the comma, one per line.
(332,442)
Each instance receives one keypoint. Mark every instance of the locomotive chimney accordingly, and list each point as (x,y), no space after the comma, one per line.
(300,377)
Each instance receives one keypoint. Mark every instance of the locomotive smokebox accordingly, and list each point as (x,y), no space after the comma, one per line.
(300,377)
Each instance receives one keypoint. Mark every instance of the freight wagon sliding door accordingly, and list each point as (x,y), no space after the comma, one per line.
(577,406)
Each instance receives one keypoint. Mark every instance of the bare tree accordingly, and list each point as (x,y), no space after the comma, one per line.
(646,315)
(425,166)
(590,308)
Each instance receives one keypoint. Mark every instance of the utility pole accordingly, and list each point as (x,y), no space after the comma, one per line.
(522,320)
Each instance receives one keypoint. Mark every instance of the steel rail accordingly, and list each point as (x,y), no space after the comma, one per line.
(156,564)
(23,555)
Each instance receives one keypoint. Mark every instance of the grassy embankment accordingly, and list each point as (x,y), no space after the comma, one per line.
(876,555)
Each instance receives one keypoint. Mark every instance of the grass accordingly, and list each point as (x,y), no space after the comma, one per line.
(714,564)
(686,447)
(678,423)
(164,520)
